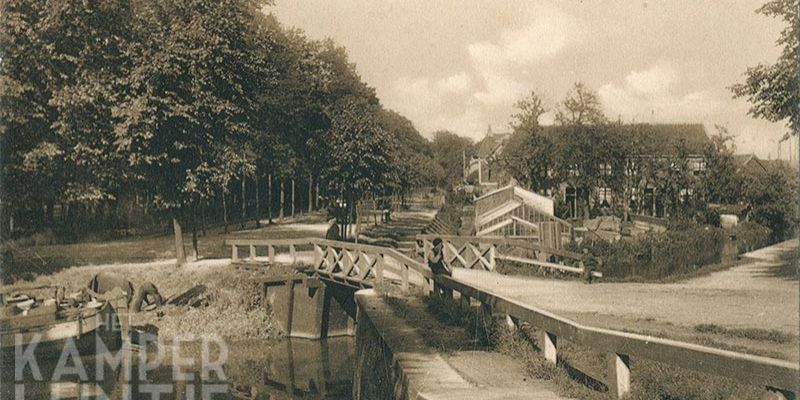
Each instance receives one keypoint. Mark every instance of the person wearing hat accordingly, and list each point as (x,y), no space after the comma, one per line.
(436,261)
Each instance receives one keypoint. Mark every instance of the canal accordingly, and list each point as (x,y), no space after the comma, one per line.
(190,368)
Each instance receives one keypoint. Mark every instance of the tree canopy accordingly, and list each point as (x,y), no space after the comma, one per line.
(163,108)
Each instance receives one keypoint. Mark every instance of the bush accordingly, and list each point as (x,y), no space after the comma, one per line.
(657,256)
(751,236)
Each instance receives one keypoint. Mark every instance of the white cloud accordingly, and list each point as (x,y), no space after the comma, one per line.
(546,34)
(655,80)
(649,96)
(457,83)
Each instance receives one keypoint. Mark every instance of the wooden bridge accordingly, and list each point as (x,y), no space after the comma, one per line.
(481,252)
(369,266)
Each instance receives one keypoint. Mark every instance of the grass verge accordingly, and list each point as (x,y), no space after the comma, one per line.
(765,335)
(582,373)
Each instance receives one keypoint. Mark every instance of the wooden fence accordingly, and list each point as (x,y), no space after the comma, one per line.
(777,376)
(474,252)
(353,264)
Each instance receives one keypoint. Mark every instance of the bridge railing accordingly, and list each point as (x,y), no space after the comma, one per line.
(478,252)
(350,263)
(777,376)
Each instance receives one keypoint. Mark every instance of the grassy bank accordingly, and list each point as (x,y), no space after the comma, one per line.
(28,262)
(582,373)
(232,308)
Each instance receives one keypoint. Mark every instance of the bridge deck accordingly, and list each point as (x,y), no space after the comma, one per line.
(456,375)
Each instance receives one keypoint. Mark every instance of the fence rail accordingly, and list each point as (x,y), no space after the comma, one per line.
(483,252)
(778,376)
(349,263)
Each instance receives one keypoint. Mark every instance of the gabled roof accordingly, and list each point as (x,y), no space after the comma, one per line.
(749,162)
(491,144)
(655,138)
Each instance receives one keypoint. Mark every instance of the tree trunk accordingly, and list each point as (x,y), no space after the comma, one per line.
(316,186)
(203,221)
(282,199)
(293,205)
(310,192)
(195,253)
(224,213)
(375,210)
(269,198)
(180,253)
(258,201)
(244,203)
(358,222)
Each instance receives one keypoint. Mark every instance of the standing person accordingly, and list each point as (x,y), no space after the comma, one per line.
(436,261)
(589,263)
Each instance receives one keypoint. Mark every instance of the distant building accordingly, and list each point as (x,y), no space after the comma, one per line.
(481,169)
(659,141)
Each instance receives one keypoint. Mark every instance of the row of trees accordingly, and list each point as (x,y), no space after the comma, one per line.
(184,108)
(591,154)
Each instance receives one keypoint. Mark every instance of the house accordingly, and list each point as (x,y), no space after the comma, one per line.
(481,169)
(656,144)
(749,163)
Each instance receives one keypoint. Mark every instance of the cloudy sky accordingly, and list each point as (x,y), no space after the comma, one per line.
(461,64)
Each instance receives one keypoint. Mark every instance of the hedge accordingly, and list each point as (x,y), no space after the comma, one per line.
(674,252)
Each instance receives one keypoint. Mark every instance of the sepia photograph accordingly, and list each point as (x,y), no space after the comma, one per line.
(399,199)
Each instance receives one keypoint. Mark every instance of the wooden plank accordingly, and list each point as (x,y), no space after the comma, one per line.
(495,227)
(546,264)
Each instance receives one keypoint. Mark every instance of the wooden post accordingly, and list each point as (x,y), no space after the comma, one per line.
(619,374)
(234,253)
(511,323)
(464,300)
(317,256)
(404,273)
(549,347)
(492,257)
(379,270)
(271,250)
(293,253)
(252,252)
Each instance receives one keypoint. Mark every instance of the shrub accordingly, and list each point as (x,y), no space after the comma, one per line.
(751,235)
(674,252)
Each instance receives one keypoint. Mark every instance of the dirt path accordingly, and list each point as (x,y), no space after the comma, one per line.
(746,296)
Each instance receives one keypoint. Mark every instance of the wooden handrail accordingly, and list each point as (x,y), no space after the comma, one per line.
(522,243)
(744,368)
(416,265)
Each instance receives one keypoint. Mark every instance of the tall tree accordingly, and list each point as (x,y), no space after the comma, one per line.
(357,160)
(86,44)
(774,90)
(528,155)
(28,153)
(721,182)
(581,106)
(450,151)
(190,92)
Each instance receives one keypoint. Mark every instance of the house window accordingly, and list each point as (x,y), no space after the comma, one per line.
(573,170)
(605,169)
(604,196)
(697,165)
